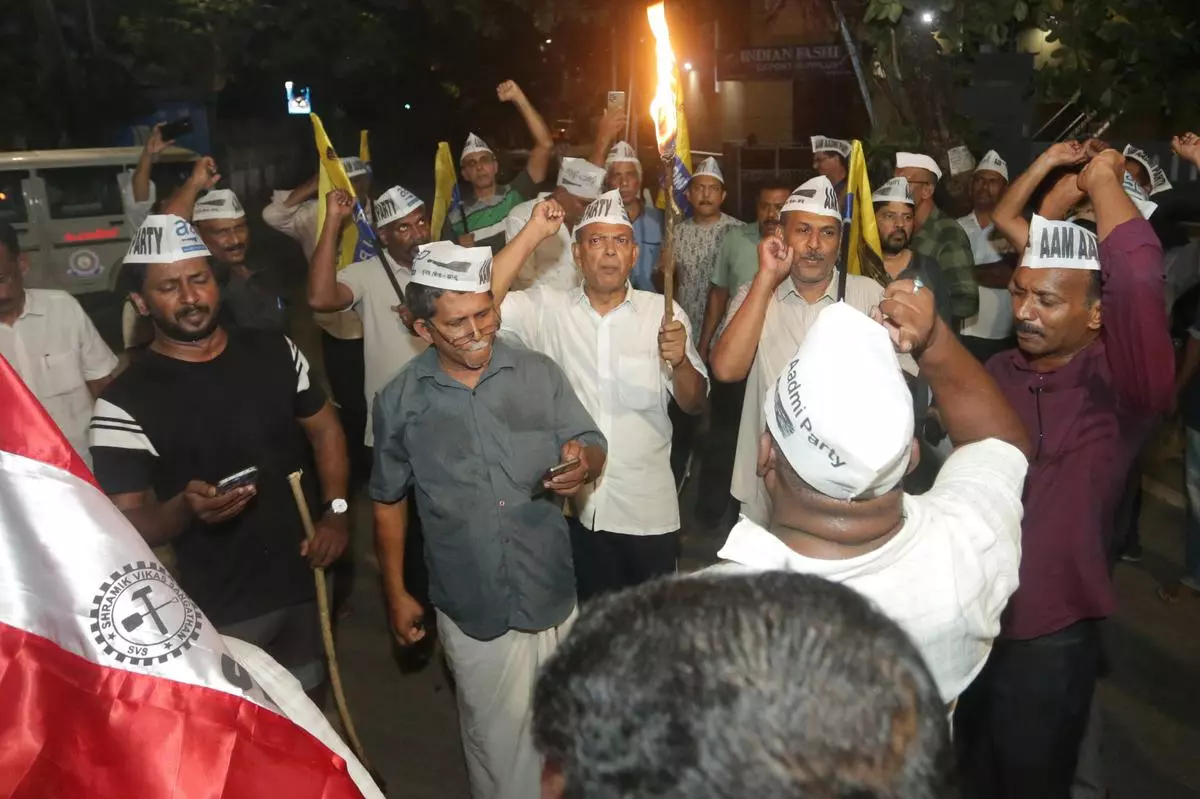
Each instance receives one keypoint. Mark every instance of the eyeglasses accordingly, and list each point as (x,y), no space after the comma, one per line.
(619,241)
(483,160)
(480,331)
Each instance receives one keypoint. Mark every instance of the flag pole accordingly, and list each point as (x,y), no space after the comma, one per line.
(335,674)
(667,254)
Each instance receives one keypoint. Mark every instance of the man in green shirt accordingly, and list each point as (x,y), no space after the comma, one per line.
(940,237)
(738,258)
(488,202)
(737,264)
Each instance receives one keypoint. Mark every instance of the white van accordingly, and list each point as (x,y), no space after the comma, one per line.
(66,208)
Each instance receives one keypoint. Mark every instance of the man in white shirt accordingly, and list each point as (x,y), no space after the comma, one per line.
(365,288)
(552,264)
(839,441)
(768,317)
(625,361)
(991,330)
(53,345)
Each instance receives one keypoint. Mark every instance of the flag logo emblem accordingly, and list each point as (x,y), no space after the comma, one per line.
(141,616)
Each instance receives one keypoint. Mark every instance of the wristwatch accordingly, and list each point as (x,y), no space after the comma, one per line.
(336,506)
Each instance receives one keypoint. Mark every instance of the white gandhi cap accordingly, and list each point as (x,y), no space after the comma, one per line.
(218,204)
(824,144)
(445,265)
(581,178)
(918,161)
(895,190)
(815,196)
(709,167)
(354,167)
(841,412)
(1158,178)
(473,145)
(606,209)
(992,162)
(1060,245)
(395,203)
(165,239)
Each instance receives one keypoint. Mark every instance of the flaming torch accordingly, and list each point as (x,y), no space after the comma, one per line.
(664,112)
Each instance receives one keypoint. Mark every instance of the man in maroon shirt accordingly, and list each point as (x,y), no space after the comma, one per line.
(1094,364)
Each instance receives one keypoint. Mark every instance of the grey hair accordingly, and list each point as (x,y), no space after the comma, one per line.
(765,685)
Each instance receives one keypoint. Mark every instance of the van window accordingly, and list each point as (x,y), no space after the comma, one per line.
(12,200)
(79,192)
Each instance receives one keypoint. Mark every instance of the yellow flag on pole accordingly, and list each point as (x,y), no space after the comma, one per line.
(358,240)
(864,234)
(445,183)
(364,146)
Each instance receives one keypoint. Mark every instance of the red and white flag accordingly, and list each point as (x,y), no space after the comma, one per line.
(114,683)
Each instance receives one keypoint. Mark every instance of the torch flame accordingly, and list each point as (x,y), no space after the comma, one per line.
(663,106)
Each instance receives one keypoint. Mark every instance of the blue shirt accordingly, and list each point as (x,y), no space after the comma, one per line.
(647,232)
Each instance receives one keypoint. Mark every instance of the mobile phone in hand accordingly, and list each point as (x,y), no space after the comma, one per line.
(245,477)
(175,129)
(561,468)
(616,102)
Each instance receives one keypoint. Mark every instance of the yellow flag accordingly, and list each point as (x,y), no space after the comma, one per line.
(863,231)
(683,154)
(357,242)
(364,146)
(445,183)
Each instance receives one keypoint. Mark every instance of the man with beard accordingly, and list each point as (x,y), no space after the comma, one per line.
(990,330)
(1095,365)
(52,345)
(625,362)
(473,427)
(248,301)
(797,277)
(479,220)
(551,263)
(204,404)
(940,237)
(624,173)
(737,264)
(895,217)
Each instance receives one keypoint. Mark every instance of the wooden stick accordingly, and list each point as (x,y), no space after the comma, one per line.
(668,250)
(335,674)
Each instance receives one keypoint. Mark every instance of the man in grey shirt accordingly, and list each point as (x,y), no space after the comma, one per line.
(474,426)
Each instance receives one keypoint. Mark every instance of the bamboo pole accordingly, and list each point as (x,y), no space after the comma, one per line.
(335,674)
(667,256)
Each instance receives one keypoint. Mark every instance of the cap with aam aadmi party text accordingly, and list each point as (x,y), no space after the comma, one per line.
(473,145)
(395,203)
(1140,197)
(446,265)
(918,161)
(1054,244)
(165,239)
(621,153)
(218,204)
(1158,178)
(992,162)
(355,167)
(824,144)
(581,178)
(841,412)
(709,167)
(814,196)
(607,209)
(895,190)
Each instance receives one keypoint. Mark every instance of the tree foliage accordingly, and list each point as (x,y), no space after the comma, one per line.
(1113,56)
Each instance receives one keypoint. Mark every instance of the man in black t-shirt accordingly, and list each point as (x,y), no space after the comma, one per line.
(201,405)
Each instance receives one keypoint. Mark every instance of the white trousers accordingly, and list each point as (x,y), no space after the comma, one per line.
(495,682)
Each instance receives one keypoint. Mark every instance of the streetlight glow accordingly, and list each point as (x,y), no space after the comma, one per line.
(927,17)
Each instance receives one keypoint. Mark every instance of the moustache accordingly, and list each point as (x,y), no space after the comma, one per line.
(1029,328)
(190,309)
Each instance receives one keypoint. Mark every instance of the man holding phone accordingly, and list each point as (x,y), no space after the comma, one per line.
(194,442)
(471,426)
(625,361)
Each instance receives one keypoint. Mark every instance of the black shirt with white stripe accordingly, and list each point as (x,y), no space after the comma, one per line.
(164,422)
